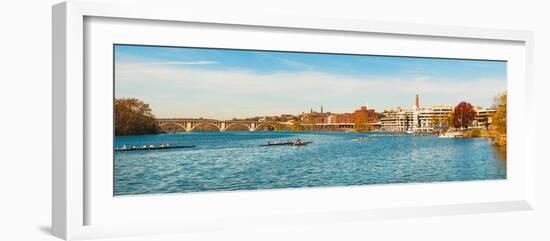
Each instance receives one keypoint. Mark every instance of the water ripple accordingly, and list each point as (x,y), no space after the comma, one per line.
(235,161)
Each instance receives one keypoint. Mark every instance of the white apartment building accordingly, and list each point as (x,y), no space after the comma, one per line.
(427,119)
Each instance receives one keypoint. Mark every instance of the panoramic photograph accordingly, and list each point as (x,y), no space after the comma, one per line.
(192,119)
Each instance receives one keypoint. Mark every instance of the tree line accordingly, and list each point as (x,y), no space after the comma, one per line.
(134,117)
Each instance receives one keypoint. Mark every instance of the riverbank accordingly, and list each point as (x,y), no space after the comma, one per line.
(497,138)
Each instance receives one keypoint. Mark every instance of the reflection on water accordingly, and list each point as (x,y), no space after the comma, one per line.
(236,161)
(501,154)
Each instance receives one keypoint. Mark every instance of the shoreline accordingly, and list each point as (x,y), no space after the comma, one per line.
(497,139)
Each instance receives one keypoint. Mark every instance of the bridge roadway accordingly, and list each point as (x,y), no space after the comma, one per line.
(188,125)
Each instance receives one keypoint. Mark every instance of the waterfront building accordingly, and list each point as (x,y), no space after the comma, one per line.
(483,117)
(314,117)
(342,118)
(395,120)
(364,113)
(416,119)
(401,120)
(432,119)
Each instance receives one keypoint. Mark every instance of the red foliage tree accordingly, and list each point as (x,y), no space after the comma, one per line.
(463,115)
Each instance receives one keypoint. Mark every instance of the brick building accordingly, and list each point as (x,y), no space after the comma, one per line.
(363,113)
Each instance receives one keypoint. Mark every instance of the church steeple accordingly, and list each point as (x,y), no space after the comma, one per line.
(321,109)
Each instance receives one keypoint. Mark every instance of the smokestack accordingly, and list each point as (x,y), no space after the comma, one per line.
(417,105)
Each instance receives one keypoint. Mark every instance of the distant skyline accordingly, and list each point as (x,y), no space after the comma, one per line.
(225,84)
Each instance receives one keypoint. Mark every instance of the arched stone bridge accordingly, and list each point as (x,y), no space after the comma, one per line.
(188,125)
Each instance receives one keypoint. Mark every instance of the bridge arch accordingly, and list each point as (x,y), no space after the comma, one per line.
(205,124)
(172,127)
(265,125)
(236,124)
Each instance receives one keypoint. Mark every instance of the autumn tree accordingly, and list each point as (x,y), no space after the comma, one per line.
(296,126)
(463,115)
(133,117)
(499,118)
(361,125)
(281,127)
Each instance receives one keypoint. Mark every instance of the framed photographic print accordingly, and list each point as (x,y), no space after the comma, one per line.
(178,121)
(193,119)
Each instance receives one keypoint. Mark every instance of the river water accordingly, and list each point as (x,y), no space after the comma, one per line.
(223,161)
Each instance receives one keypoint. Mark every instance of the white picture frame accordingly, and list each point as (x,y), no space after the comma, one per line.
(73,186)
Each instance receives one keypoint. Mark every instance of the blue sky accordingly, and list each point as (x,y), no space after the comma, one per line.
(222,84)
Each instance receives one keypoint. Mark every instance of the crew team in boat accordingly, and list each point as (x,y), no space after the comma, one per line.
(295,142)
(291,142)
(149,147)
